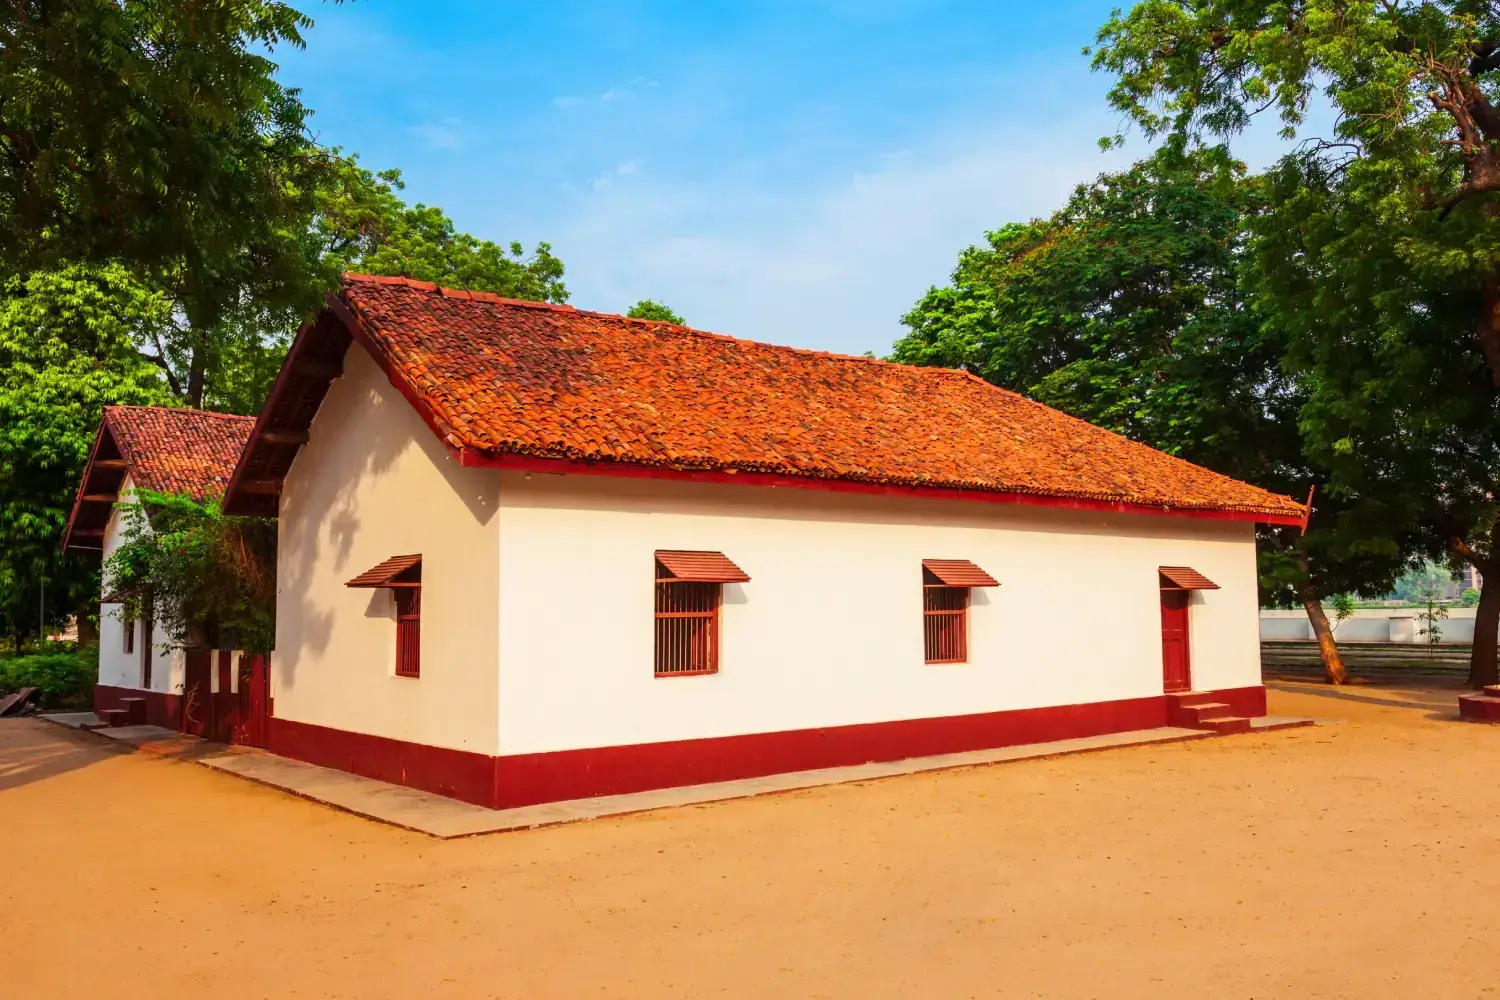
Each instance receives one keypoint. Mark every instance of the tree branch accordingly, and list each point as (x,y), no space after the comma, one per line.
(160,360)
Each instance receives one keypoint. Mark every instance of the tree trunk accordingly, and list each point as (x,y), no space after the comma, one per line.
(1488,331)
(1482,669)
(88,631)
(197,370)
(1333,663)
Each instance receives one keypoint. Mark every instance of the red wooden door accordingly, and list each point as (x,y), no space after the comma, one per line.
(254,700)
(197,695)
(1175,670)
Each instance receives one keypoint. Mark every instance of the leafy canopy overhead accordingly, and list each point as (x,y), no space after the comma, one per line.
(68,348)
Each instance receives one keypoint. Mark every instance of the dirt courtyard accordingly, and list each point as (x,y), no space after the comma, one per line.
(1360,859)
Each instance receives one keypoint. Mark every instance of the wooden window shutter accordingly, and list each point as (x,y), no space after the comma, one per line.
(409,631)
(689,592)
(403,576)
(945,607)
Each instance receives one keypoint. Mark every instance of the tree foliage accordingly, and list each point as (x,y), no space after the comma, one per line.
(69,343)
(651,309)
(1379,254)
(155,135)
(204,577)
(363,225)
(1124,308)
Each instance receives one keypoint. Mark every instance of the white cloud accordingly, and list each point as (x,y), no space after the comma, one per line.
(835,267)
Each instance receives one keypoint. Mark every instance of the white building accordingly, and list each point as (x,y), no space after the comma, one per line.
(143,677)
(529,553)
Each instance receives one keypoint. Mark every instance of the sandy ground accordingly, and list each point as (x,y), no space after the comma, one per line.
(1352,860)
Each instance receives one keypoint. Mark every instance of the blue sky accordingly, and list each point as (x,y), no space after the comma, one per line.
(795,172)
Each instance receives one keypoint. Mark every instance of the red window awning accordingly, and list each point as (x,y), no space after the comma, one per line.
(959,573)
(1185,578)
(700,567)
(397,571)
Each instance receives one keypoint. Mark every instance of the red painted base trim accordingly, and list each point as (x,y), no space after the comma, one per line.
(162,709)
(457,774)
(528,779)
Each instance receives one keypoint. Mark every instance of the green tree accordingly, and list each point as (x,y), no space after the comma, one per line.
(69,346)
(363,225)
(155,134)
(1379,255)
(207,579)
(1125,308)
(651,309)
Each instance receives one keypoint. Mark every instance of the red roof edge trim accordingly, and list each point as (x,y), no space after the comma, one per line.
(88,468)
(385,363)
(351,321)
(564,467)
(299,345)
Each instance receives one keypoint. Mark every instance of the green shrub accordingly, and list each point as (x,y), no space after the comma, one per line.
(63,677)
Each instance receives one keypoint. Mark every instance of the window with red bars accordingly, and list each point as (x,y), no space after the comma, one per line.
(945,625)
(687,625)
(408,631)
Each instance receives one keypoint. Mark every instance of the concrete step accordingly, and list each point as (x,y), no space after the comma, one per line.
(1225,724)
(1492,690)
(114,716)
(136,707)
(1192,715)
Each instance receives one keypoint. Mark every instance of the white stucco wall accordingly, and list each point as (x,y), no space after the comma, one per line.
(829,630)
(117,667)
(374,482)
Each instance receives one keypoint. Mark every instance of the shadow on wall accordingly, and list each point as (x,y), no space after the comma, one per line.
(359,434)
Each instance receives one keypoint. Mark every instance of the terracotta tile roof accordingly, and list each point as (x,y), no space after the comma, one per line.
(166,449)
(177,450)
(700,567)
(383,573)
(959,573)
(1187,578)
(501,376)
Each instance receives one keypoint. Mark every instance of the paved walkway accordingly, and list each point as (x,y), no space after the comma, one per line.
(439,816)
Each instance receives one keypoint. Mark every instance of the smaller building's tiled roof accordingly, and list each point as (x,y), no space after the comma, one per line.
(176,450)
(166,449)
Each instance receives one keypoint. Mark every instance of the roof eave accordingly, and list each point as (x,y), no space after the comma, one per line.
(565,466)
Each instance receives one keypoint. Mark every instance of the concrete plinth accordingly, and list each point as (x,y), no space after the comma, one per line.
(1481,707)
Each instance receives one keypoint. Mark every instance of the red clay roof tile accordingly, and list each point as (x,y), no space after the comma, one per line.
(504,376)
(177,450)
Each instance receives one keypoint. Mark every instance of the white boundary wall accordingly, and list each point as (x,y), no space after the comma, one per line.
(829,630)
(1368,625)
